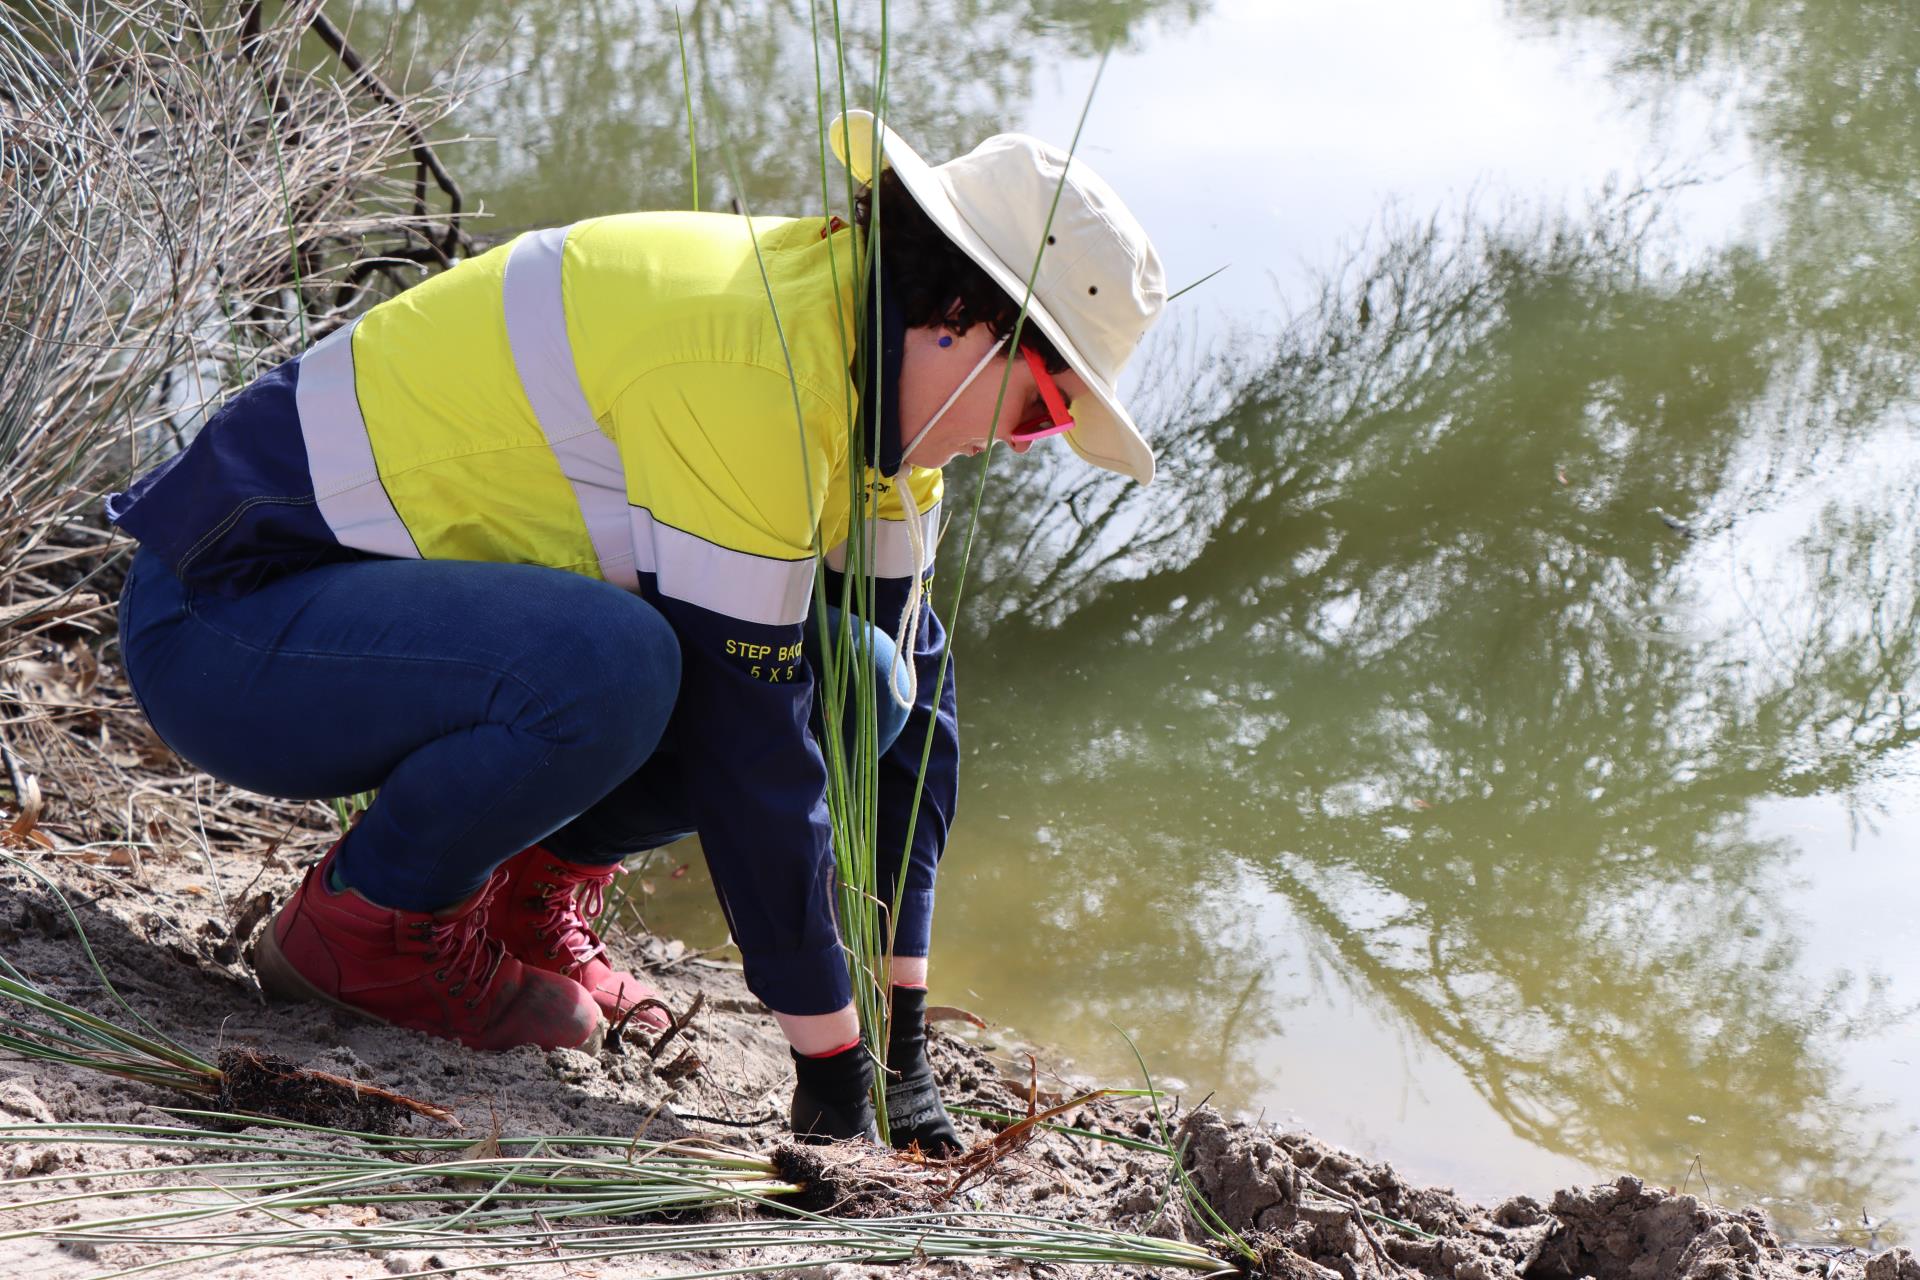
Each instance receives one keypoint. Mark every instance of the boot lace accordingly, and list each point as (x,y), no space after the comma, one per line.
(468,957)
(566,898)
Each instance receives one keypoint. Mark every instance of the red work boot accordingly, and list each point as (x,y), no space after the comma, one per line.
(546,918)
(437,972)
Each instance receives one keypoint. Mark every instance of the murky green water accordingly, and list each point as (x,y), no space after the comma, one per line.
(1492,743)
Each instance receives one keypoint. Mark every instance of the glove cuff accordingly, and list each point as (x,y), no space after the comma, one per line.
(907,1026)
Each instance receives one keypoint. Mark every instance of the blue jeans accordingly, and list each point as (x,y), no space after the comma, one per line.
(493,706)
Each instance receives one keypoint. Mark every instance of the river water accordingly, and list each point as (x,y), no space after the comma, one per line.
(1492,743)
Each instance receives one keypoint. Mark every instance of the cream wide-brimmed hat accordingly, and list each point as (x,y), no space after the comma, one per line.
(1100,285)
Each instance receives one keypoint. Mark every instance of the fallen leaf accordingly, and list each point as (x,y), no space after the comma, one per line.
(30,804)
(152,750)
(488,1148)
(88,667)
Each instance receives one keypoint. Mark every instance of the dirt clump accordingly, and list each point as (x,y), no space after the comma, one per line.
(1626,1231)
(1313,1211)
(1894,1264)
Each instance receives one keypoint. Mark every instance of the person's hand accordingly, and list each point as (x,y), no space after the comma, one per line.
(833,1097)
(915,1114)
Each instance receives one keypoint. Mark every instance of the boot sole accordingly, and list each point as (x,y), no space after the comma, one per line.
(281,981)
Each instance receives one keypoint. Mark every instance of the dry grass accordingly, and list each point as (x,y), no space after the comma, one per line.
(181,206)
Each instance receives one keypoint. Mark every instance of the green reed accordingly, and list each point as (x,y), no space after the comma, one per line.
(847,687)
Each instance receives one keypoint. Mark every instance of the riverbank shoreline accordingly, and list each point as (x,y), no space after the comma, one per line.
(173,933)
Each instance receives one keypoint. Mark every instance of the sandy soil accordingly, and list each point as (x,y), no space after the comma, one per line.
(176,946)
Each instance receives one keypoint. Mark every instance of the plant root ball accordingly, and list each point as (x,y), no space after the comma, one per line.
(265,1084)
(852,1180)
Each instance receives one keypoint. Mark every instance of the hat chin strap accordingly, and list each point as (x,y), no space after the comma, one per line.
(941,412)
(908,637)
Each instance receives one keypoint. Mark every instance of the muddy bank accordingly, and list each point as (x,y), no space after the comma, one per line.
(1311,1206)
(174,934)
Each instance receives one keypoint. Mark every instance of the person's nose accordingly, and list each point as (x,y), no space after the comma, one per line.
(1019,446)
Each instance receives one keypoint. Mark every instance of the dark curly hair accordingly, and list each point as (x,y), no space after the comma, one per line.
(936,282)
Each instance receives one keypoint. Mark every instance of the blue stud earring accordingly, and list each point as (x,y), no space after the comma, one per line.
(945,341)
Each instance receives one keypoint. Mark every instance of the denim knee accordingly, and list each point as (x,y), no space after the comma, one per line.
(891,717)
(608,674)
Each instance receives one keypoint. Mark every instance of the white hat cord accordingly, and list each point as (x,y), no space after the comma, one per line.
(947,404)
(908,637)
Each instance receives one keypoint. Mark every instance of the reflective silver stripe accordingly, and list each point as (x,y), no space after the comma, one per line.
(888,550)
(346,481)
(537,332)
(734,583)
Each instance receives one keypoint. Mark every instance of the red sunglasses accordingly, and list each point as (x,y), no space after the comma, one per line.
(1056,418)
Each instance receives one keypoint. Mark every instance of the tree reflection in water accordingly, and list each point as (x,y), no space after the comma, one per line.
(577,107)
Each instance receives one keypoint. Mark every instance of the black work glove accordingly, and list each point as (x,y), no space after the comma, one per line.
(914,1111)
(833,1097)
